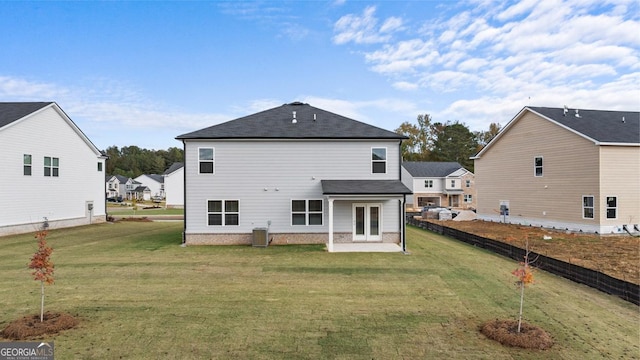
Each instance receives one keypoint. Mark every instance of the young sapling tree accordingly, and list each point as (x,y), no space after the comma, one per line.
(42,266)
(524,274)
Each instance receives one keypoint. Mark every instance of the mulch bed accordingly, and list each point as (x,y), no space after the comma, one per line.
(506,333)
(30,327)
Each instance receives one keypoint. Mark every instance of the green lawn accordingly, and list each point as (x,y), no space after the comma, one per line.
(121,210)
(139,295)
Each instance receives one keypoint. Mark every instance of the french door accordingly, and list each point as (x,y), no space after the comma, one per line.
(367,222)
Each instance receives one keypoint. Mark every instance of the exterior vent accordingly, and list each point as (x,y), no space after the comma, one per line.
(260,237)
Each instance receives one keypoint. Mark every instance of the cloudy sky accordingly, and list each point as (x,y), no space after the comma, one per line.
(142,73)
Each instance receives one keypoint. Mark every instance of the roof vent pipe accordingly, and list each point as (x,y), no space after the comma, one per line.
(294,118)
(623,119)
(566,110)
(314,118)
(577,115)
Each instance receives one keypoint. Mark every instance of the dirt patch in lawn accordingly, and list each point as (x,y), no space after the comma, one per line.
(615,255)
(30,327)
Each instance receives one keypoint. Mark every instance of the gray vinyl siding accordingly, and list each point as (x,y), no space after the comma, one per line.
(266,175)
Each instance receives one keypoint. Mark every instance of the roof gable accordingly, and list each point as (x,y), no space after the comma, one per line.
(14,111)
(433,169)
(174,167)
(292,121)
(603,127)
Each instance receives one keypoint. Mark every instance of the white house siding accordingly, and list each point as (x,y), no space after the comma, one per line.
(570,170)
(174,189)
(154,186)
(620,177)
(26,200)
(266,175)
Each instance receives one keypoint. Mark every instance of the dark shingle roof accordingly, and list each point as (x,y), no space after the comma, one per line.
(600,125)
(157,178)
(12,111)
(277,123)
(431,168)
(175,166)
(363,187)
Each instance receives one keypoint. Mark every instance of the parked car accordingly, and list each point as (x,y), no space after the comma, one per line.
(157,199)
(116,199)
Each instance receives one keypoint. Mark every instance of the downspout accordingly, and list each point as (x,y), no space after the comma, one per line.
(403,209)
(184,192)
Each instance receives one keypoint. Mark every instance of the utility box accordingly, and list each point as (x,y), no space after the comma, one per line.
(260,237)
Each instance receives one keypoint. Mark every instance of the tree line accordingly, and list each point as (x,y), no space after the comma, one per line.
(450,141)
(132,161)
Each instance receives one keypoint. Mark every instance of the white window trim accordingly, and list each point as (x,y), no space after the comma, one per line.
(386,152)
(535,167)
(51,166)
(593,207)
(30,165)
(606,207)
(306,212)
(223,212)
(428,184)
(213,161)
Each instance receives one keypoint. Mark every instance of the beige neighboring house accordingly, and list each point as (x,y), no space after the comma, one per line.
(563,168)
(440,184)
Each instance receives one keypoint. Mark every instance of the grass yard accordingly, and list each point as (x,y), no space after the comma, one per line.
(139,295)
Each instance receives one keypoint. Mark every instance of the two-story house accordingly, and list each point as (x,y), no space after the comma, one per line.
(439,184)
(304,174)
(563,168)
(50,170)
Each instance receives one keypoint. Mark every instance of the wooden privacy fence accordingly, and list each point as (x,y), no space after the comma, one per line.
(595,279)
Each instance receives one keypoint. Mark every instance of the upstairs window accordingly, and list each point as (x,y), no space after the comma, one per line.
(223,212)
(453,184)
(51,166)
(587,207)
(428,183)
(537,166)
(100,166)
(26,162)
(612,207)
(379,160)
(206,160)
(306,212)
(468,183)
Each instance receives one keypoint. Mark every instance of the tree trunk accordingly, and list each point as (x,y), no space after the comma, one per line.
(42,301)
(521,301)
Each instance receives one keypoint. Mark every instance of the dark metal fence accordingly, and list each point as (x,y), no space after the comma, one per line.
(595,279)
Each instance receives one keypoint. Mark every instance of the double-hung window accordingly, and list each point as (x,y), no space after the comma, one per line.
(26,161)
(51,166)
(428,183)
(468,183)
(379,160)
(206,160)
(587,207)
(537,166)
(468,198)
(306,212)
(223,212)
(612,207)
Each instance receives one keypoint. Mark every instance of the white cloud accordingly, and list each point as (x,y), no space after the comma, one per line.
(492,58)
(363,29)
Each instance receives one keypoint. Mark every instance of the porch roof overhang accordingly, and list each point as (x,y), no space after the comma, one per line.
(340,188)
(453,191)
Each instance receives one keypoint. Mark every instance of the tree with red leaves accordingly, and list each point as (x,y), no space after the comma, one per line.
(42,266)
(524,274)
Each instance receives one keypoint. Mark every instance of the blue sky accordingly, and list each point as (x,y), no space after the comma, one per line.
(142,73)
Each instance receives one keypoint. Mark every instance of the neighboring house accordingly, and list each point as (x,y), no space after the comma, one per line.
(121,186)
(142,193)
(442,184)
(154,182)
(566,169)
(174,185)
(305,174)
(50,170)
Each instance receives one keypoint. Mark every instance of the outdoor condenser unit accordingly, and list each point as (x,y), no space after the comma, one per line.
(260,237)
